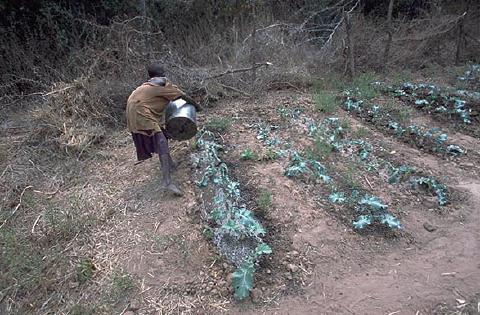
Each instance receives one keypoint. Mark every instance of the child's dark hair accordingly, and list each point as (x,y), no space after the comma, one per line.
(155,70)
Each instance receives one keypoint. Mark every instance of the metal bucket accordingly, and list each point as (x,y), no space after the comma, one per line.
(181,120)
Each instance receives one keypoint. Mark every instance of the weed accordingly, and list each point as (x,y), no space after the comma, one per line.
(218,124)
(162,242)
(264,200)
(21,264)
(398,112)
(80,309)
(363,132)
(248,154)
(320,150)
(404,114)
(332,81)
(402,76)
(350,177)
(85,270)
(362,84)
(325,102)
(345,124)
(65,224)
(121,284)
(207,232)
(270,155)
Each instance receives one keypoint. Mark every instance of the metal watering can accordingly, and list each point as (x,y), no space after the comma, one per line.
(181,120)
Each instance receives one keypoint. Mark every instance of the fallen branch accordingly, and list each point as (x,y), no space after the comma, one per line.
(235,90)
(231,71)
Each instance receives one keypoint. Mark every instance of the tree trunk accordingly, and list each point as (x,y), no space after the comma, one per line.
(145,27)
(350,51)
(389,35)
(253,56)
(460,41)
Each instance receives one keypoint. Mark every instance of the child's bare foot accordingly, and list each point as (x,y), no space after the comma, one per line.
(173,189)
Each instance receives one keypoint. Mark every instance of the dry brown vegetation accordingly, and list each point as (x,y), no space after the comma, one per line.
(79,224)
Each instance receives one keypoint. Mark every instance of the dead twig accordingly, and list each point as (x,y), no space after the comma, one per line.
(368,182)
(231,71)
(35,223)
(16,207)
(329,40)
(235,90)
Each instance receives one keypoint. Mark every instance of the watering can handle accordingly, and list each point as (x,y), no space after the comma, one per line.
(191,101)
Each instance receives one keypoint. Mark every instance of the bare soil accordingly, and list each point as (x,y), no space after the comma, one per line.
(319,265)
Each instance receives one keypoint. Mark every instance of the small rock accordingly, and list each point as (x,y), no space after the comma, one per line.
(430,228)
(269,271)
(292,267)
(256,296)
(134,305)
(73,285)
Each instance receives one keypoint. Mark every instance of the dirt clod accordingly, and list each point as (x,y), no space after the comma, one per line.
(292,267)
(430,228)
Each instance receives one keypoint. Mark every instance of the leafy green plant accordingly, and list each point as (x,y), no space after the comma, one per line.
(248,154)
(337,197)
(234,227)
(431,98)
(373,209)
(400,174)
(242,278)
(299,165)
(433,186)
(433,138)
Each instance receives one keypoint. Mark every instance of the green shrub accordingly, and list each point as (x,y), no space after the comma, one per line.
(325,102)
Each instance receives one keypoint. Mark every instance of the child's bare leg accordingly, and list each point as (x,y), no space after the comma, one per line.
(167,182)
(167,164)
(173,165)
